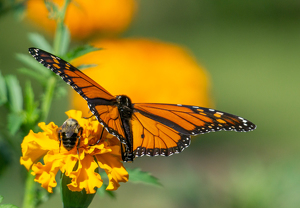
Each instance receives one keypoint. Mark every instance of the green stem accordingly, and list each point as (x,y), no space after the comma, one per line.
(60,28)
(30,198)
(48,98)
(30,192)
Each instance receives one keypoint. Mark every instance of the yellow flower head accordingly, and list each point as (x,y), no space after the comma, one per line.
(147,71)
(85,17)
(80,162)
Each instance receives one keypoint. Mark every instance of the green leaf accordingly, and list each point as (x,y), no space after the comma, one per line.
(19,10)
(3,90)
(32,63)
(8,206)
(15,98)
(33,74)
(80,51)
(31,107)
(15,121)
(5,157)
(138,176)
(85,66)
(52,9)
(40,42)
(102,192)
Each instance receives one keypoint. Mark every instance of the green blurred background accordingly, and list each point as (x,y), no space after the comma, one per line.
(251,50)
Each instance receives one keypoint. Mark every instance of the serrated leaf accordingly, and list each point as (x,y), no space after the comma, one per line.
(3,90)
(138,176)
(32,63)
(40,42)
(80,51)
(15,98)
(33,74)
(14,123)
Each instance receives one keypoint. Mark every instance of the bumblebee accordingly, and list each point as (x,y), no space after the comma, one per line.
(69,133)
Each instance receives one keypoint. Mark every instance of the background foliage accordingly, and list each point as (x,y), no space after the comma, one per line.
(251,50)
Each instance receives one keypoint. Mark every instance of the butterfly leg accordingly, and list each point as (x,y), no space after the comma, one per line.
(98,139)
(79,138)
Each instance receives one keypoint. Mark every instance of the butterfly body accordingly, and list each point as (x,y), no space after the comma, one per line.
(150,129)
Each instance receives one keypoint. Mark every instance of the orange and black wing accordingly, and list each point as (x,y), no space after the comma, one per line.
(165,129)
(101,103)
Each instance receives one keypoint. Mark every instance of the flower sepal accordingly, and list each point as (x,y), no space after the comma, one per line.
(74,199)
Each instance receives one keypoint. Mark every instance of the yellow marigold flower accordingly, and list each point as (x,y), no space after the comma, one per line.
(46,144)
(86,17)
(147,71)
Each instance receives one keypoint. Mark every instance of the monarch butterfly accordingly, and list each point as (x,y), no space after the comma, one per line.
(143,128)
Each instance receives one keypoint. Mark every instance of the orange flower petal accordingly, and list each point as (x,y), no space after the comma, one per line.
(114,169)
(85,176)
(34,146)
(45,174)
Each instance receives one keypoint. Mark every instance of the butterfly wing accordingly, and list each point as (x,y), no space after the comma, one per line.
(101,103)
(153,138)
(164,129)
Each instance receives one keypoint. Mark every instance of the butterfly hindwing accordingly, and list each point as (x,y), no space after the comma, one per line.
(152,138)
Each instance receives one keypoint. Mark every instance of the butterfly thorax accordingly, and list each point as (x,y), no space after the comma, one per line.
(125,109)
(124,106)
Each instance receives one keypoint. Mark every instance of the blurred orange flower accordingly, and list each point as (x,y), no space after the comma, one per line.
(85,17)
(89,156)
(147,71)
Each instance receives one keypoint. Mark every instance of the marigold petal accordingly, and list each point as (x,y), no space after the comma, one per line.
(34,146)
(114,169)
(69,164)
(45,174)
(85,176)
(50,130)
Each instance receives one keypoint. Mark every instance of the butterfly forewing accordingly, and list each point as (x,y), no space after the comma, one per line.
(193,120)
(81,83)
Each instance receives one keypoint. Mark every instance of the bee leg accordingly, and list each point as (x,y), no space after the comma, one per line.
(59,139)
